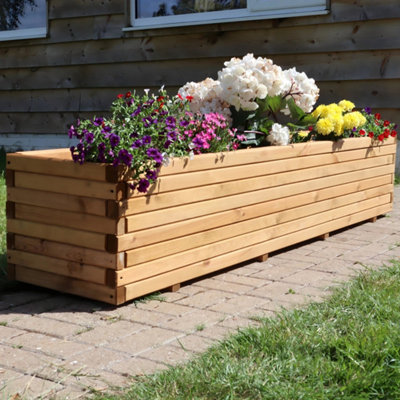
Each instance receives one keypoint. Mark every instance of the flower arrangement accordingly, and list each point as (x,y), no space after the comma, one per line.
(252,103)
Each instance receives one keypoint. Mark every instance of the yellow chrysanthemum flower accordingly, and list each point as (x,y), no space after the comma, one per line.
(338,122)
(331,109)
(303,133)
(324,126)
(346,105)
(353,120)
(317,112)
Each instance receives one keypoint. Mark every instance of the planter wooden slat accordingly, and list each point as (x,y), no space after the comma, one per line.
(87,205)
(206,192)
(200,178)
(273,228)
(240,213)
(78,229)
(69,285)
(182,212)
(231,228)
(77,187)
(58,266)
(80,221)
(68,252)
(192,271)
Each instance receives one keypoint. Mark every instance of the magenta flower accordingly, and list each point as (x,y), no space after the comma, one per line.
(155,155)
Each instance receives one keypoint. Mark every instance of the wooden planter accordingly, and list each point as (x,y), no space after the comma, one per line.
(78,228)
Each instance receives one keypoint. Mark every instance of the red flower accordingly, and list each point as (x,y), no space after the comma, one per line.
(310,128)
(377,116)
(393,133)
(120,96)
(362,132)
(128,94)
(381,137)
(160,98)
(386,133)
(371,134)
(189,98)
(180,96)
(386,123)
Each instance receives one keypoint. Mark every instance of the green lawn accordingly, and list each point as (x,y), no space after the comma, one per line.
(345,348)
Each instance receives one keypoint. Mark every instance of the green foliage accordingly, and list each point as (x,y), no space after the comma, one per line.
(346,348)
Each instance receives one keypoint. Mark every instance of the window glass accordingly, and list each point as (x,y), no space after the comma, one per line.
(22,16)
(160,8)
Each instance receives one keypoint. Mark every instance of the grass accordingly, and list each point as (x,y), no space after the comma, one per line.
(345,348)
(397,179)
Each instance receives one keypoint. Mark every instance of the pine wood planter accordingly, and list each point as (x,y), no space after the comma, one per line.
(78,229)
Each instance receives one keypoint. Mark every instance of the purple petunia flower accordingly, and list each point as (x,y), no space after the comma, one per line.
(143,185)
(155,155)
(172,136)
(98,121)
(106,129)
(184,123)
(125,157)
(146,140)
(368,110)
(72,132)
(151,174)
(136,112)
(136,144)
(170,122)
(133,135)
(89,137)
(114,140)
(167,144)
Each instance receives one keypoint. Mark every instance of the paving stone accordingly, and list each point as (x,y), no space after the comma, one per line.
(144,340)
(47,326)
(274,289)
(171,297)
(275,273)
(193,343)
(190,322)
(308,276)
(29,387)
(23,295)
(223,286)
(135,366)
(22,360)
(168,355)
(166,308)
(243,280)
(238,304)
(237,322)
(8,333)
(93,359)
(109,333)
(339,266)
(189,289)
(216,332)
(205,298)
(51,346)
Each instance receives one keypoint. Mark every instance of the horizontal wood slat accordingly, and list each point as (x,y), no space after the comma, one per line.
(207,177)
(87,205)
(185,196)
(182,212)
(77,187)
(60,234)
(67,252)
(186,273)
(58,266)
(66,284)
(161,265)
(291,211)
(243,210)
(81,221)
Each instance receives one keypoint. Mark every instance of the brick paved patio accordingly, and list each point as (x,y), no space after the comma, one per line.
(64,347)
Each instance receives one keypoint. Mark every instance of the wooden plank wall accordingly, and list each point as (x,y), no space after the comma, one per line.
(45,84)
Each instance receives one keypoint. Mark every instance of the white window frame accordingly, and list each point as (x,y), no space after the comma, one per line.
(29,33)
(256,9)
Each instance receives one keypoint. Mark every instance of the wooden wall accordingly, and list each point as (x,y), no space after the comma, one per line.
(45,84)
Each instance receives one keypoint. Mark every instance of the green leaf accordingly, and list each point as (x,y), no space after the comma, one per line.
(296,112)
(275,103)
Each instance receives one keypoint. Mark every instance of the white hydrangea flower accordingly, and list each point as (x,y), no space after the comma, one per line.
(247,79)
(303,90)
(206,97)
(279,135)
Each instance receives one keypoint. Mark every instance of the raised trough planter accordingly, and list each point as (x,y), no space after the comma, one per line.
(78,228)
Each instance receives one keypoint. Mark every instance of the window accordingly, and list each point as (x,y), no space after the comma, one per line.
(168,13)
(23,19)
